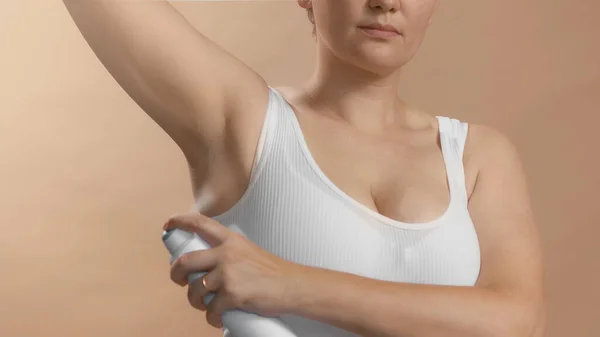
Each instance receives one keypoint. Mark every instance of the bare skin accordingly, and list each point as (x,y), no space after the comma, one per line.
(370,143)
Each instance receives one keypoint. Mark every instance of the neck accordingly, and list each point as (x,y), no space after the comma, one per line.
(360,97)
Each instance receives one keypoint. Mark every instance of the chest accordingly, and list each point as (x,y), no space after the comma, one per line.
(310,225)
(294,207)
(403,177)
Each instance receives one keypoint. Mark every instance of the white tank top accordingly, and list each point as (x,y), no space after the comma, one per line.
(294,211)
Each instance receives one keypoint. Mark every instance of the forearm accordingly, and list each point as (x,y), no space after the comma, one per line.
(377,308)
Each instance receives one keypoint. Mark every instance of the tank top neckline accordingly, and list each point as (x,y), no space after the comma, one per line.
(439,220)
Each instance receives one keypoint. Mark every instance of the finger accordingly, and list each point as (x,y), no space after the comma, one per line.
(212,281)
(194,295)
(215,309)
(208,229)
(200,295)
(193,262)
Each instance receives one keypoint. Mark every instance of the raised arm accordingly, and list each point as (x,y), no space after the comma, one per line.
(186,83)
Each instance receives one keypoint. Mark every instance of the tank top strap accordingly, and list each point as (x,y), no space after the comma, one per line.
(268,134)
(453,136)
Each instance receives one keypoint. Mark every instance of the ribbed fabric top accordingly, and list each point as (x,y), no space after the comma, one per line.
(294,211)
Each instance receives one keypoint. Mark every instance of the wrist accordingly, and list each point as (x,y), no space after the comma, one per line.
(296,283)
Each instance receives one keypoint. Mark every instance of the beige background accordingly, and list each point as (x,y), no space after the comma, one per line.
(86,179)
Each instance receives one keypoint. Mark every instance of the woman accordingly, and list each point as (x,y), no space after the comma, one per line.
(332,204)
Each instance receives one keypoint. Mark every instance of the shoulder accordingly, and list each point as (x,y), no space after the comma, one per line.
(482,143)
(488,153)
(486,142)
(487,149)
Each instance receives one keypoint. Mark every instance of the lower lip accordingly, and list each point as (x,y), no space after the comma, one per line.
(378,33)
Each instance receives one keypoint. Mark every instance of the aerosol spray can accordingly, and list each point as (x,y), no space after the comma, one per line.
(239,323)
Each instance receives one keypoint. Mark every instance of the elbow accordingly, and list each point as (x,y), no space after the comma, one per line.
(523,319)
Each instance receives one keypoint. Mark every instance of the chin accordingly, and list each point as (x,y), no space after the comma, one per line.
(382,61)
